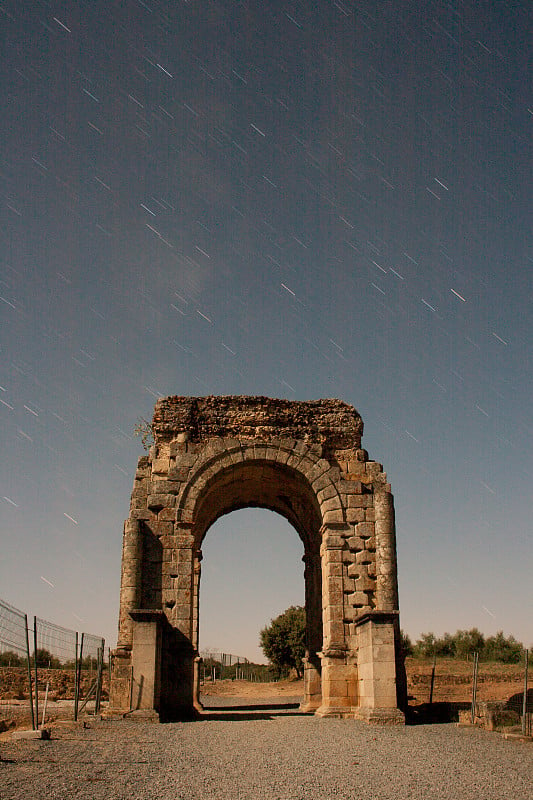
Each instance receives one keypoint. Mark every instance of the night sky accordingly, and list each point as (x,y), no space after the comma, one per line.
(299,200)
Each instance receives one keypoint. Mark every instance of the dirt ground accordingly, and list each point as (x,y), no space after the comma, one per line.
(452,683)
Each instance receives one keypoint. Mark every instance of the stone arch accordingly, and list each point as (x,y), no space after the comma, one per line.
(304,461)
(319,475)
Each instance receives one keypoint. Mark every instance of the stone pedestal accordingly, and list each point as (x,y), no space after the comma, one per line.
(378,696)
(146,659)
(312,685)
(119,692)
(339,690)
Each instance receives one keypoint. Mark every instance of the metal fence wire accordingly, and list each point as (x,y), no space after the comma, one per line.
(493,694)
(55,644)
(12,632)
(42,660)
(227,666)
(518,708)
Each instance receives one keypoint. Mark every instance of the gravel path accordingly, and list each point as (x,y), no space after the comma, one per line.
(266,754)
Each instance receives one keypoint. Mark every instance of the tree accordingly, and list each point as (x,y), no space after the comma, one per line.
(468,642)
(407,645)
(11,659)
(502,648)
(45,659)
(425,646)
(283,641)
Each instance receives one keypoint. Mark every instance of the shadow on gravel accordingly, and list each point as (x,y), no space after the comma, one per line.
(252,706)
(434,713)
(243,713)
(244,716)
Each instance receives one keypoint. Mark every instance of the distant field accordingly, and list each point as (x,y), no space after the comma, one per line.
(453,683)
(453,680)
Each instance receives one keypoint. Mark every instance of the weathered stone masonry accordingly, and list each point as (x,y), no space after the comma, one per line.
(212,455)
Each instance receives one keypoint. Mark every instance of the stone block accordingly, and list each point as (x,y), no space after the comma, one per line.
(336,626)
(321,482)
(331,556)
(333,568)
(365,584)
(373,468)
(354,501)
(350,487)
(383,653)
(361,500)
(354,515)
(332,517)
(159,501)
(326,493)
(358,599)
(160,466)
(141,514)
(353,570)
(365,530)
(355,543)
(42,733)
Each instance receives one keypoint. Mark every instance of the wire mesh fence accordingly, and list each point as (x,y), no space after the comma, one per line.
(227,666)
(12,634)
(492,694)
(43,665)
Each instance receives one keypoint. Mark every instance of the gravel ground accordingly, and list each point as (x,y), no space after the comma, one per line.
(265,753)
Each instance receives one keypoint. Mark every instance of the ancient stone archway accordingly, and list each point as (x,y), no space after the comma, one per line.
(213,455)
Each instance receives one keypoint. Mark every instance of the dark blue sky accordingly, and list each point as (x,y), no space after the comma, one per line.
(291,199)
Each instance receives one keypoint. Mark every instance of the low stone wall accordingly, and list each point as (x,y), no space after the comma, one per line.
(14,683)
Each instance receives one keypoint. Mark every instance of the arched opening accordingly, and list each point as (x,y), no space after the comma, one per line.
(252,570)
(261,484)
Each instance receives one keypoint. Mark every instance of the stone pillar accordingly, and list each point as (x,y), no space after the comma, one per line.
(131,580)
(386,569)
(197,572)
(146,661)
(180,669)
(337,674)
(312,698)
(378,697)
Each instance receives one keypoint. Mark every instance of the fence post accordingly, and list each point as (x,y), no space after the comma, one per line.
(432,678)
(36,673)
(29,670)
(75,674)
(99,672)
(524,701)
(78,682)
(474,688)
